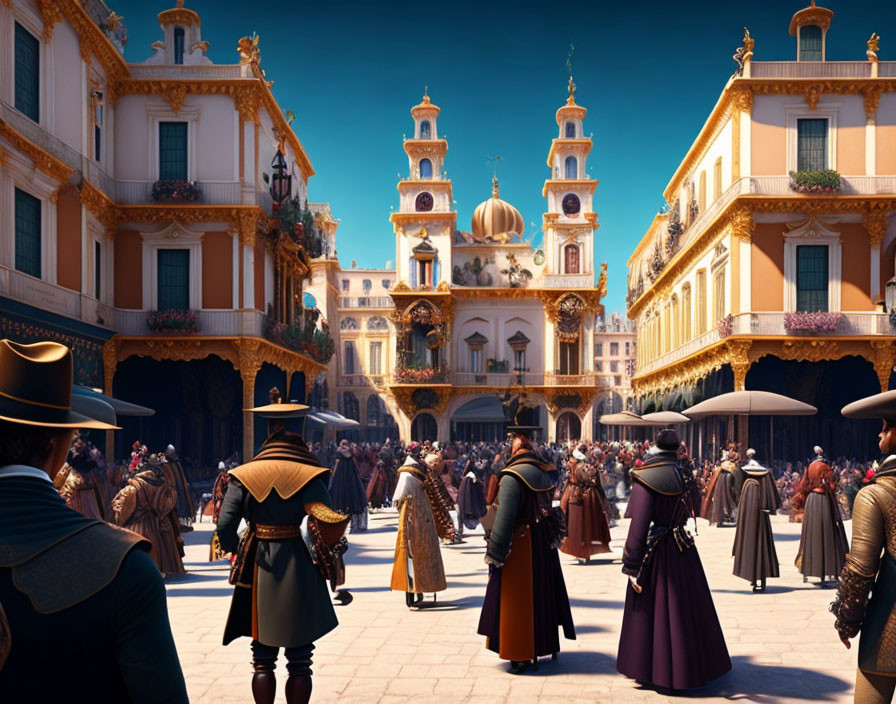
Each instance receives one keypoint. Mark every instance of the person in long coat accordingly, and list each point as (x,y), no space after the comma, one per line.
(186,512)
(417,568)
(671,635)
(281,598)
(823,543)
(755,557)
(583,503)
(378,487)
(147,505)
(719,506)
(871,565)
(346,488)
(526,601)
(470,500)
(78,484)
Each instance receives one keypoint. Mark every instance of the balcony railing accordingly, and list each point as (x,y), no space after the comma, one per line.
(813,69)
(213,323)
(772,325)
(57,299)
(216,71)
(509,379)
(569,281)
(46,140)
(365,302)
(212,193)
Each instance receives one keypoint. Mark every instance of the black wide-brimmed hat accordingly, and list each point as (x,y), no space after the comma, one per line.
(36,387)
(277,410)
(877,406)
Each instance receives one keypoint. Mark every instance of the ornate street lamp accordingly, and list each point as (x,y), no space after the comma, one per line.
(281,181)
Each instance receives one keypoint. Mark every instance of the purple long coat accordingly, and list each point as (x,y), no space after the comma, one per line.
(671,635)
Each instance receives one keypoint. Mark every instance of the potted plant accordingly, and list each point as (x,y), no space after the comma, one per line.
(815,182)
(174,190)
(817,323)
(173,321)
(725,326)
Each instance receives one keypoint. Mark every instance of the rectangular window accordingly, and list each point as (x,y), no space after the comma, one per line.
(810,43)
(718,296)
(717,179)
(173,151)
(519,360)
(569,358)
(27,76)
(701,192)
(598,366)
(614,349)
(599,349)
(475,356)
(376,358)
(812,278)
(812,144)
(178,45)
(614,366)
(174,279)
(28,225)
(97,270)
(348,361)
(628,348)
(617,380)
(701,301)
(97,125)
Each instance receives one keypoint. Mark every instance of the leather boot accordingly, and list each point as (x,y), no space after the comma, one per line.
(298,689)
(264,687)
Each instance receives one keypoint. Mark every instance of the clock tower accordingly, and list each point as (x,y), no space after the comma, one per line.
(570,220)
(425,222)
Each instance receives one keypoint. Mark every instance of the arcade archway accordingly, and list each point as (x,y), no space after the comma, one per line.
(424,427)
(569,427)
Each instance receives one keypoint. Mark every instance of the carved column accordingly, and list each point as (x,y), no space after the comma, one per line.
(249,365)
(876,226)
(739,359)
(110,363)
(883,357)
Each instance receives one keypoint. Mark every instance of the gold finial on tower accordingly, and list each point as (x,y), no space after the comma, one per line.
(494,186)
(571,86)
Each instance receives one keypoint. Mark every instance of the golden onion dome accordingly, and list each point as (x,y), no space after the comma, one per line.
(179,15)
(425,107)
(496,220)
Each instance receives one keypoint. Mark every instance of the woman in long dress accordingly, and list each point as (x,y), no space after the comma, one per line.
(823,544)
(346,489)
(671,635)
(417,568)
(755,557)
(719,505)
(583,503)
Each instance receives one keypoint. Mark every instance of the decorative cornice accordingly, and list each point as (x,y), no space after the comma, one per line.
(43,160)
(94,43)
(101,206)
(872,93)
(876,225)
(51,13)
(741,224)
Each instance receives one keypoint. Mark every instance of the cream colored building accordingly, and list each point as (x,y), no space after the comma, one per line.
(765,272)
(615,358)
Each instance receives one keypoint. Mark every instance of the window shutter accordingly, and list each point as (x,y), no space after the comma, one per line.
(413,266)
(27,73)
(810,43)
(812,278)
(173,279)
(173,151)
(28,226)
(437,273)
(812,144)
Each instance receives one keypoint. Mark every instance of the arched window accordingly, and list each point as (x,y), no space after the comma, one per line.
(377,322)
(571,258)
(424,202)
(572,167)
(570,130)
(811,43)
(366,285)
(425,169)
(348,324)
(424,129)
(376,411)
(686,312)
(178,45)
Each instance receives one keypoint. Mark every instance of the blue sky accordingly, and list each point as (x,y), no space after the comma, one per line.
(649,73)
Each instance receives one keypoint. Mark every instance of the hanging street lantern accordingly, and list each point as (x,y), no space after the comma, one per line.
(281,181)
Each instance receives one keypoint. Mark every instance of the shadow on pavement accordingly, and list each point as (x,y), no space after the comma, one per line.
(201,591)
(580,603)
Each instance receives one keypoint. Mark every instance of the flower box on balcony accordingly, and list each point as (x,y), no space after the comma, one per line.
(497,366)
(725,326)
(173,322)
(175,191)
(815,182)
(804,323)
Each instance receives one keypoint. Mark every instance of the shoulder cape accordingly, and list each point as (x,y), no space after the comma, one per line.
(284,464)
(58,557)
(531,470)
(660,474)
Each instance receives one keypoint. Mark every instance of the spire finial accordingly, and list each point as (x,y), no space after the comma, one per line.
(494,159)
(571,87)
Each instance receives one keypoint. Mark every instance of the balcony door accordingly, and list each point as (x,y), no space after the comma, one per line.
(173,279)
(569,358)
(173,151)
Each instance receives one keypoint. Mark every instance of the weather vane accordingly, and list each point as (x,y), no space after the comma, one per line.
(494,159)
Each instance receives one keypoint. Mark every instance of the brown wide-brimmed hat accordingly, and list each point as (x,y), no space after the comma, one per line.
(277,410)
(877,406)
(36,387)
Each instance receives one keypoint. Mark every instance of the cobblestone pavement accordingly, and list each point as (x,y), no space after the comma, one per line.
(782,643)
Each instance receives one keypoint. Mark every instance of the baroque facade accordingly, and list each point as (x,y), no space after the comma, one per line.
(472,329)
(768,268)
(140,223)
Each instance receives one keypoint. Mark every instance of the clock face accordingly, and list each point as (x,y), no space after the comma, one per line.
(424,202)
(538,257)
(571,204)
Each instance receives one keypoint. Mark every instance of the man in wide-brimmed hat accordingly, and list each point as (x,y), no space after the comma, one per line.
(871,564)
(69,584)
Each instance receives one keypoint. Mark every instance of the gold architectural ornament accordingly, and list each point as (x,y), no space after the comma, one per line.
(401,287)
(4,155)
(810,350)
(875,223)
(248,49)
(443,286)
(51,14)
(110,362)
(739,360)
(175,94)
(873,46)
(749,43)
(248,226)
(883,357)
(94,42)
(742,98)
(812,15)
(179,15)
(871,94)
(43,160)
(812,93)
(741,223)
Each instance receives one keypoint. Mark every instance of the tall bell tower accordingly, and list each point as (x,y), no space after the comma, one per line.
(425,222)
(570,220)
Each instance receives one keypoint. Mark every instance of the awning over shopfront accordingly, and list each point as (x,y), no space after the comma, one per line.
(485,409)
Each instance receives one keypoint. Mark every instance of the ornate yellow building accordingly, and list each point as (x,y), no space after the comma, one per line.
(138,220)
(768,269)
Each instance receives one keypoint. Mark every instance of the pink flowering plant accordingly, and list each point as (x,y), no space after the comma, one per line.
(174,190)
(174,321)
(818,323)
(420,375)
(815,182)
